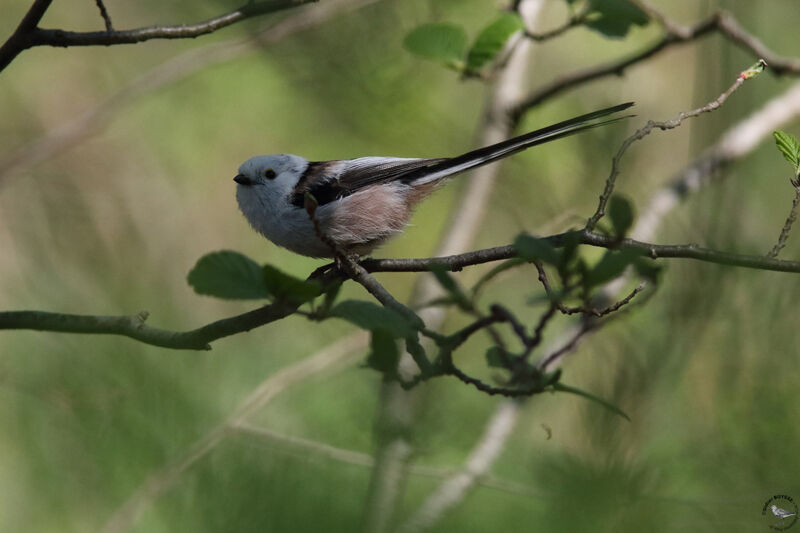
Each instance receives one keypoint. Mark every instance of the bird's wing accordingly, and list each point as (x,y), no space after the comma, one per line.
(330,180)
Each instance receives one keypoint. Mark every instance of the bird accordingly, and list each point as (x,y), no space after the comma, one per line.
(780,513)
(361,203)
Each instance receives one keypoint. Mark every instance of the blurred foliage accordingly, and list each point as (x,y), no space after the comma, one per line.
(707,371)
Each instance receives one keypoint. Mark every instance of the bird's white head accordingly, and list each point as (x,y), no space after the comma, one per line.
(273,174)
(264,187)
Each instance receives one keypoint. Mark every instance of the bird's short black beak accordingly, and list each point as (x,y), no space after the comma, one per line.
(241,179)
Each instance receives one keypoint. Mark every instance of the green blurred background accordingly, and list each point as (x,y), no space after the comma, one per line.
(708,370)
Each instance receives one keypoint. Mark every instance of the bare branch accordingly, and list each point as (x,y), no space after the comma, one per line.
(613,68)
(721,22)
(19,39)
(644,131)
(727,25)
(735,143)
(28,34)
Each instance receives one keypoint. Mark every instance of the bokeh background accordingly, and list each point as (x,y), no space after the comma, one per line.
(112,222)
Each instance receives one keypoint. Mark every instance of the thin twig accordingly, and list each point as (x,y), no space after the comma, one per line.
(585,327)
(575,20)
(104,13)
(787,226)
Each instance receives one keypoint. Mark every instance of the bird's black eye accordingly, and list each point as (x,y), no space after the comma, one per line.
(269,174)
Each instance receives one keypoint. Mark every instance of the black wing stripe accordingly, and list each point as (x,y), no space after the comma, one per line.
(319,178)
(326,187)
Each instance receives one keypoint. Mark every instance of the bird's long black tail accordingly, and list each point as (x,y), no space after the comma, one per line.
(487,154)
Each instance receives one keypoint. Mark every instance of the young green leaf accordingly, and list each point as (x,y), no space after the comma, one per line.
(530,248)
(614,18)
(370,316)
(620,211)
(557,386)
(439,41)
(789,147)
(229,275)
(383,353)
(285,287)
(492,39)
(753,70)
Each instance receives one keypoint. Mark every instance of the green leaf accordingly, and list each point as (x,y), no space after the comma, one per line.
(372,317)
(230,275)
(620,211)
(383,354)
(530,248)
(492,39)
(572,390)
(285,287)
(552,378)
(454,289)
(789,147)
(614,18)
(330,297)
(439,41)
(496,357)
(611,265)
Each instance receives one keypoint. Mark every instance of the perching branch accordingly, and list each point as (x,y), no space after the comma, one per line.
(28,34)
(199,339)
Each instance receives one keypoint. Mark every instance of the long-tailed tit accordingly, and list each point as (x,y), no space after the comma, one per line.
(363,202)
